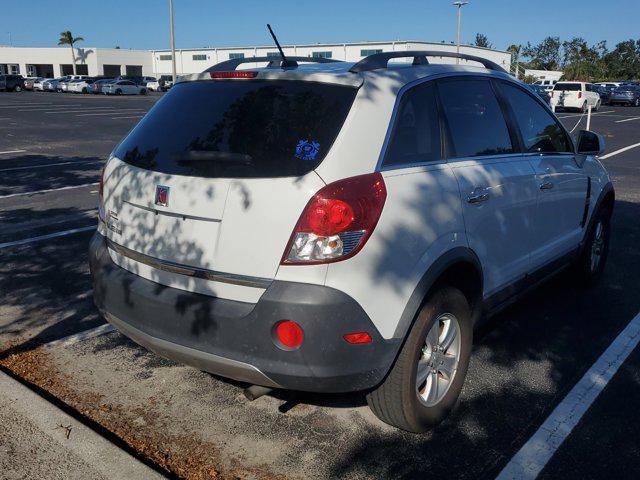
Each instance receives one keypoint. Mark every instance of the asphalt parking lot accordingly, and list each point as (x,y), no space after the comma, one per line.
(191,424)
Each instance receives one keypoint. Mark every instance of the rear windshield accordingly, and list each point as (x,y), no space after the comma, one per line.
(568,87)
(242,129)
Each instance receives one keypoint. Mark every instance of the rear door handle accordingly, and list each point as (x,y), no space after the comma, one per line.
(546,185)
(478,198)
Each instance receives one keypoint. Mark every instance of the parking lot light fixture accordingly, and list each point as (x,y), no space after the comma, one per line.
(459,5)
(173,43)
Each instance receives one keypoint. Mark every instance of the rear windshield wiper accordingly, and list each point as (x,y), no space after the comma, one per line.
(192,156)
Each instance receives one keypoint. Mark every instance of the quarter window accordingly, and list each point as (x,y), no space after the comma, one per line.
(416,134)
(540,132)
(476,124)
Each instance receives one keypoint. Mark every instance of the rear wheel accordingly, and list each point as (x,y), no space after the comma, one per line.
(583,109)
(423,385)
(597,107)
(17,88)
(592,261)
(118,92)
(143,92)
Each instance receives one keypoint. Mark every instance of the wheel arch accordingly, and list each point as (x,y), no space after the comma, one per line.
(458,267)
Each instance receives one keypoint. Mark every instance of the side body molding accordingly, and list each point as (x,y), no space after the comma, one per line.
(437,268)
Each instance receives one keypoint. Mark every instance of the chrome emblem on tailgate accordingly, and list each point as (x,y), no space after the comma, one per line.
(162,195)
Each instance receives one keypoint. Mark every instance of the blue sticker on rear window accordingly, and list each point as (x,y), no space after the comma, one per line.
(307,149)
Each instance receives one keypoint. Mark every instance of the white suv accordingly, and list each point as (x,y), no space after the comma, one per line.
(342,227)
(578,95)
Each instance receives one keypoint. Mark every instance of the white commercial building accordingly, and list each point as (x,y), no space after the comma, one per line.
(57,61)
(198,59)
(111,62)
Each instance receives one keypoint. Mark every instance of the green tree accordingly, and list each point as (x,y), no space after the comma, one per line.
(66,38)
(482,41)
(545,55)
(514,50)
(623,62)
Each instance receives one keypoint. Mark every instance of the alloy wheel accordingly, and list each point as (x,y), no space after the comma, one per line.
(438,361)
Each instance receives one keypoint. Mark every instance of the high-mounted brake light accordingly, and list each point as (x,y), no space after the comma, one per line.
(235,74)
(337,221)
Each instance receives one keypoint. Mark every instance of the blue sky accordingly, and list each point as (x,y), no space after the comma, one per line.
(144,24)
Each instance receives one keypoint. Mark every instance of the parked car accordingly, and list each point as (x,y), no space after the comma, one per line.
(625,95)
(137,79)
(166,82)
(11,83)
(29,81)
(576,95)
(80,85)
(123,87)
(63,85)
(51,85)
(95,87)
(153,86)
(541,92)
(252,244)
(605,93)
(546,84)
(38,85)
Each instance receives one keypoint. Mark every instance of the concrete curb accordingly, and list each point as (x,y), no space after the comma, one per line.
(83,443)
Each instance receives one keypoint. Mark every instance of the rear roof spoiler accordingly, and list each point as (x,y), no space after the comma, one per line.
(381,60)
(274,62)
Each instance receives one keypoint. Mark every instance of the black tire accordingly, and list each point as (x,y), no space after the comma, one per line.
(597,239)
(84,89)
(17,88)
(396,400)
(118,92)
(637,102)
(143,92)
(584,107)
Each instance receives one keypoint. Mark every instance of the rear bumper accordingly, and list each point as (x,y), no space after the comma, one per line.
(235,339)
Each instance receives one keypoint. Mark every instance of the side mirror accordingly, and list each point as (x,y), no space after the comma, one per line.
(590,143)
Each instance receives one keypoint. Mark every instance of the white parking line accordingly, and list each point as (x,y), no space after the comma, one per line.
(581,114)
(47,165)
(48,190)
(109,113)
(616,152)
(78,337)
(12,151)
(81,110)
(628,119)
(18,105)
(539,449)
(27,241)
(49,107)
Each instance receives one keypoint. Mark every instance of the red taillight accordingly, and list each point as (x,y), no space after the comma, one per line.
(337,221)
(239,74)
(355,338)
(552,94)
(579,94)
(289,334)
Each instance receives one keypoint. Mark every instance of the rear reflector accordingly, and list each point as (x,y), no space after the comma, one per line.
(240,74)
(289,334)
(361,337)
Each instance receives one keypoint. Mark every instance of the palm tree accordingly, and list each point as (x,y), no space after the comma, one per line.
(66,38)
(515,55)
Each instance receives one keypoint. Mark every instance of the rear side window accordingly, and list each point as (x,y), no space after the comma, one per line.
(568,87)
(241,129)
(540,131)
(476,124)
(416,133)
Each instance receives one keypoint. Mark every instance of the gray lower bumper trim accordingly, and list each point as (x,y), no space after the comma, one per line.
(208,362)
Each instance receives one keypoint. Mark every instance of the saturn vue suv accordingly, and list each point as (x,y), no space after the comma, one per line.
(338,227)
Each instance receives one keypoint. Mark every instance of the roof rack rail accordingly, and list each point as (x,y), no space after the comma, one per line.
(274,62)
(381,60)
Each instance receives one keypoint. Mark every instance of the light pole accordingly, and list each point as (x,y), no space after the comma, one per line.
(173,44)
(459,5)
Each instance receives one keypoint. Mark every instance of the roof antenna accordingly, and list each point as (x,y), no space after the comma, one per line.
(285,63)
